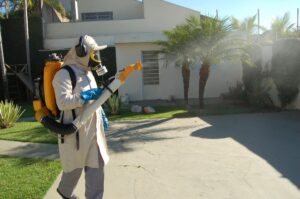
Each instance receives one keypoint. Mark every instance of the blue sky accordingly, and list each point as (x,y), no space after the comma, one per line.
(240,9)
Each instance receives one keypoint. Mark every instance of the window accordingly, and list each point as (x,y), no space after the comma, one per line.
(151,68)
(97,16)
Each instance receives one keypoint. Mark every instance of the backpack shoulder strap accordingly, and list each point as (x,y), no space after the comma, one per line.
(72,75)
(73,82)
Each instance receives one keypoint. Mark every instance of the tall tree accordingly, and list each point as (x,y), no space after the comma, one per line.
(207,39)
(175,47)
(251,60)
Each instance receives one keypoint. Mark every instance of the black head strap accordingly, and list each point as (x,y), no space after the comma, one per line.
(80,48)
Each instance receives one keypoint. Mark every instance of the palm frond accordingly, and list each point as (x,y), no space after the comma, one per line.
(281,26)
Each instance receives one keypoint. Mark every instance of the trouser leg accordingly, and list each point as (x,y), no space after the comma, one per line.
(68,182)
(94,181)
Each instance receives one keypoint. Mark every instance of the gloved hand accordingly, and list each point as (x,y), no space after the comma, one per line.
(91,94)
(104,119)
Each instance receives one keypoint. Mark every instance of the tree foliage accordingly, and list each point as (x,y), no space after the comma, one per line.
(15,7)
(199,38)
(286,69)
(176,47)
(56,4)
(248,26)
(207,37)
(281,26)
(176,43)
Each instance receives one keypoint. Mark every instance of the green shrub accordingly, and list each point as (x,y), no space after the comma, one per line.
(114,104)
(9,114)
(235,92)
(253,74)
(259,97)
(286,69)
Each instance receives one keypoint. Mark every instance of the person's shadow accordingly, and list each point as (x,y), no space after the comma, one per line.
(273,136)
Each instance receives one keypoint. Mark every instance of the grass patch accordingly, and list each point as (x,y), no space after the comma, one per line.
(28,132)
(29,112)
(26,177)
(35,132)
(179,111)
(220,107)
(162,112)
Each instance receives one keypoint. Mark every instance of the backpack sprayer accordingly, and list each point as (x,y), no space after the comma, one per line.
(46,109)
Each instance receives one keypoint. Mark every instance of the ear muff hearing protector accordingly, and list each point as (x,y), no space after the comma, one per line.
(80,48)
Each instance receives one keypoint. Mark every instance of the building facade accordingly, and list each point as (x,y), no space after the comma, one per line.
(132,27)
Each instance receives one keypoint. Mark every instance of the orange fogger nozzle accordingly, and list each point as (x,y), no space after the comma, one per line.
(138,66)
(128,70)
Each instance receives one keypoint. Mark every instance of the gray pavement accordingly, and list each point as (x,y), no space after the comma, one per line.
(249,156)
(29,150)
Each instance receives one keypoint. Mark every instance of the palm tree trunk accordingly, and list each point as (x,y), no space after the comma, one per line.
(39,7)
(6,8)
(203,76)
(3,70)
(185,71)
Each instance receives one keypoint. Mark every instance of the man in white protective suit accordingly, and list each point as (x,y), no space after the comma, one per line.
(86,149)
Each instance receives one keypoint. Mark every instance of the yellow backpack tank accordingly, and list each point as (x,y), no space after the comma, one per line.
(44,102)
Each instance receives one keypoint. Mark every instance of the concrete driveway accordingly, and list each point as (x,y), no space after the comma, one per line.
(249,156)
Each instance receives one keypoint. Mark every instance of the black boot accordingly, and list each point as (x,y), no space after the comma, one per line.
(64,197)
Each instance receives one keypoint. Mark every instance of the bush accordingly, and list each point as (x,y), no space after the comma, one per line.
(259,97)
(9,114)
(236,92)
(286,69)
(114,104)
(253,74)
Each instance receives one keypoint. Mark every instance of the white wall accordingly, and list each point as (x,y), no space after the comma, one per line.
(110,40)
(221,77)
(170,77)
(131,37)
(159,16)
(162,15)
(122,9)
(128,54)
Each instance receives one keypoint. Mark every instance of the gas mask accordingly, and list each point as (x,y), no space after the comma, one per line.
(96,65)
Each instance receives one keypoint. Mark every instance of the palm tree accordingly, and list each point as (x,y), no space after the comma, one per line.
(207,38)
(175,47)
(251,60)
(248,26)
(281,26)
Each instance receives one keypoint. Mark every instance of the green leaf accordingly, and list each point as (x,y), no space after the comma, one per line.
(10,114)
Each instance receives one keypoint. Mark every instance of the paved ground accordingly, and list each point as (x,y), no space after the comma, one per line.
(251,156)
(29,150)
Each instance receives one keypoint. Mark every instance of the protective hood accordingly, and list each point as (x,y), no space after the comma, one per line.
(90,46)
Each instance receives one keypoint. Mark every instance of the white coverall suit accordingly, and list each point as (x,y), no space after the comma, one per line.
(92,153)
